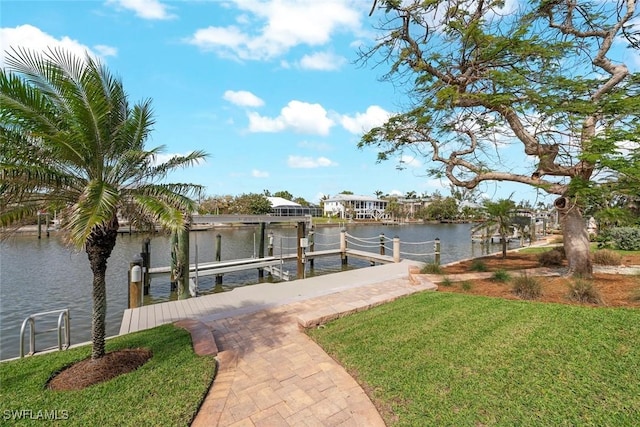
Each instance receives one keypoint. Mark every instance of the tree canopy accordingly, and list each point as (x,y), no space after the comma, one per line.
(536,93)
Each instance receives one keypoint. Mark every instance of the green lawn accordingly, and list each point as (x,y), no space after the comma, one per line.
(166,391)
(446,359)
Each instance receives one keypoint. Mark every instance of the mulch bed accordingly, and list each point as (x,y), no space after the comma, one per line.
(89,372)
(615,290)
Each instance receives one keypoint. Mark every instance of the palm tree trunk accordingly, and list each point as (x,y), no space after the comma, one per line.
(98,248)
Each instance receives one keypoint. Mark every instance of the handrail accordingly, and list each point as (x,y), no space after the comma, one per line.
(63,323)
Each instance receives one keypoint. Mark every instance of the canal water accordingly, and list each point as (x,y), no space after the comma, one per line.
(38,275)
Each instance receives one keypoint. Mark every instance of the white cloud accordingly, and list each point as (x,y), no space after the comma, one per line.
(363,122)
(301,162)
(145,9)
(259,174)
(301,117)
(266,30)
(32,38)
(104,50)
(410,161)
(243,98)
(322,61)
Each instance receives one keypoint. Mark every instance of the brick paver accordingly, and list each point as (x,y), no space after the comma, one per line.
(270,373)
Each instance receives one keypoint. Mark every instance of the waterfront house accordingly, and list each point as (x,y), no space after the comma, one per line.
(350,206)
(283,207)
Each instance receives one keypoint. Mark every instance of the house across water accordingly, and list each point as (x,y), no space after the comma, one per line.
(350,206)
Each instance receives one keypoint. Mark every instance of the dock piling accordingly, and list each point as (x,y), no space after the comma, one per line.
(135,282)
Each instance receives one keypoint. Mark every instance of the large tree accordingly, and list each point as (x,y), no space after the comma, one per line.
(69,138)
(546,77)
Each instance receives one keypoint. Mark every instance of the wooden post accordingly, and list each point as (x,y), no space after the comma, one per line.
(135,282)
(182,264)
(270,244)
(39,226)
(381,243)
(301,234)
(312,245)
(146,265)
(396,249)
(436,247)
(46,223)
(174,260)
(261,250)
(343,246)
(218,257)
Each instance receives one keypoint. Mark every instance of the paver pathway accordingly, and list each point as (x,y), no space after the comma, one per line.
(271,374)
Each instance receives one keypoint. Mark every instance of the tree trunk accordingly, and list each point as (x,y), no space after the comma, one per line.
(182,263)
(98,247)
(575,237)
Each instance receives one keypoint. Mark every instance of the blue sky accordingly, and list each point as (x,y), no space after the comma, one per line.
(270,89)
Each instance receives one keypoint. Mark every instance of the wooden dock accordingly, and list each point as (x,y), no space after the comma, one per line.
(221,267)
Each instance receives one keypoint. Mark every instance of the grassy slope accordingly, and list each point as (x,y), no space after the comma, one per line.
(451,359)
(167,390)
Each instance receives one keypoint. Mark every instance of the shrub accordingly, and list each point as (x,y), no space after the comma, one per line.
(527,287)
(552,258)
(501,276)
(466,286)
(478,265)
(625,238)
(607,257)
(446,282)
(581,290)
(431,268)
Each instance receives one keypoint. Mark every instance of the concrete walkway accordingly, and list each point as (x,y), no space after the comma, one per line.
(249,299)
(269,372)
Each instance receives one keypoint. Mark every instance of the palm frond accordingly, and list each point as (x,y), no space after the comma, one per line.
(96,207)
(176,162)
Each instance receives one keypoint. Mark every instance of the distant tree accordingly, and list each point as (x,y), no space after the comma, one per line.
(346,192)
(441,209)
(542,76)
(216,205)
(461,194)
(266,193)
(378,193)
(284,194)
(499,216)
(322,200)
(250,204)
(411,195)
(69,138)
(301,201)
(393,208)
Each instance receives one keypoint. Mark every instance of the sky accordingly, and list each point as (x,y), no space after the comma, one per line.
(272,90)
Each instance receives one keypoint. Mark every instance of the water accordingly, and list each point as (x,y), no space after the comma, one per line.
(39,275)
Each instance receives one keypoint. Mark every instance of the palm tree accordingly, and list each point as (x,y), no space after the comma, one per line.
(68,137)
(499,217)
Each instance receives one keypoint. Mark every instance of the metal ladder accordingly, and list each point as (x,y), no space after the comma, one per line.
(63,324)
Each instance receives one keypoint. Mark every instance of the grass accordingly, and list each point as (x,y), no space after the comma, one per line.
(478,265)
(527,287)
(501,276)
(431,268)
(582,290)
(167,390)
(464,360)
